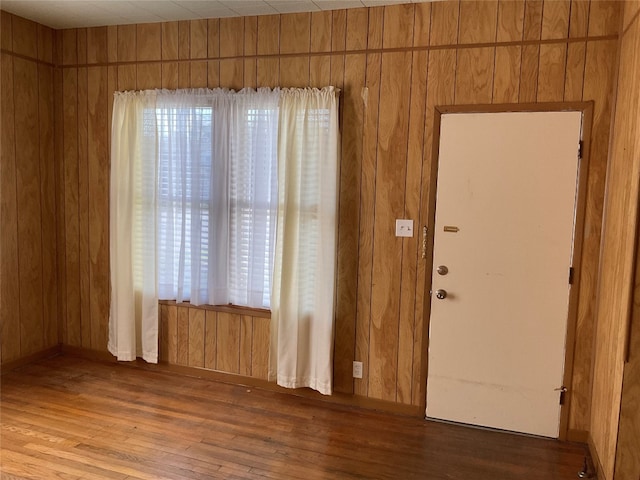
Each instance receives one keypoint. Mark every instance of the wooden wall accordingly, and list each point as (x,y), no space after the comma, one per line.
(28,254)
(393,64)
(617,273)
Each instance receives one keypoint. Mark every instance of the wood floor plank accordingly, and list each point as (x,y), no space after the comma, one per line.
(68,418)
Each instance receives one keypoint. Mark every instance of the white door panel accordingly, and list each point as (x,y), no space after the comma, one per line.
(508,182)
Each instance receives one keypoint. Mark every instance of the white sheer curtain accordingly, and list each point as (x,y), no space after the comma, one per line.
(303,290)
(217,195)
(133,322)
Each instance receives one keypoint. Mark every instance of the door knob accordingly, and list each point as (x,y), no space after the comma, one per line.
(441,294)
(442,270)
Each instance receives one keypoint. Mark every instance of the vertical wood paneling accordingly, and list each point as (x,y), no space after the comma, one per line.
(199,39)
(210,346)
(422,24)
(83,199)
(182,336)
(348,222)
(367,198)
(295,37)
(574,73)
(600,60)
(474,80)
(184,68)
(172,334)
(407,376)
(357,20)
(196,337)
(9,268)
(398,26)
(250,48)
(6,32)
(555,19)
(506,79)
(97,45)
(478,21)
(231,37)
(149,41)
(45,44)
(228,343)
(28,196)
(604,18)
(199,74)
(169,33)
(148,75)
(98,163)
(25,37)
(551,73)
(164,334)
(510,20)
(48,205)
(127,45)
(390,174)
(268,44)
(444,22)
(321,31)
(626,144)
(70,150)
(579,18)
(246,340)
(260,348)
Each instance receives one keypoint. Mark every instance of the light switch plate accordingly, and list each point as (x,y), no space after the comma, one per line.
(404,228)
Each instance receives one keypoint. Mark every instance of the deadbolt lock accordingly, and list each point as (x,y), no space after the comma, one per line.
(442,270)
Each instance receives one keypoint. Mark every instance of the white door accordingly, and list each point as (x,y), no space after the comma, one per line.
(505,212)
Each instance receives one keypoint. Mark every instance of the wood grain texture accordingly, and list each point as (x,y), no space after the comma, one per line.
(617,274)
(6,32)
(47,166)
(231,432)
(386,144)
(149,43)
(246,341)
(444,23)
(389,204)
(551,73)
(408,369)
(510,20)
(478,21)
(348,223)
(182,337)
(196,337)
(398,23)
(506,80)
(9,271)
(474,80)
(83,202)
(228,342)
(598,85)
(97,48)
(295,33)
(604,18)
(25,37)
(626,145)
(28,197)
(260,348)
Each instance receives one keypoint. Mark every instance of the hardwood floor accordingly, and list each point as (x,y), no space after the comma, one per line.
(68,418)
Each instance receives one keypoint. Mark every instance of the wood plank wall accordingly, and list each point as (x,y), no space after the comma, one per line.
(617,276)
(410,58)
(28,244)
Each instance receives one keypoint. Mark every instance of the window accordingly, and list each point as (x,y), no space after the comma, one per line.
(217,187)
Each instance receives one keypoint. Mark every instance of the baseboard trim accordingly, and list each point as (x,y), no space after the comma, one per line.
(578,436)
(31,358)
(234,379)
(595,459)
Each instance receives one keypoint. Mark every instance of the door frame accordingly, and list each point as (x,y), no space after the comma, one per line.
(586,108)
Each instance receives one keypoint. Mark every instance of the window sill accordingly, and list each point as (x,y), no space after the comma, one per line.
(234,309)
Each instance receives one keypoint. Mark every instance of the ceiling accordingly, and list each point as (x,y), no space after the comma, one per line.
(90,13)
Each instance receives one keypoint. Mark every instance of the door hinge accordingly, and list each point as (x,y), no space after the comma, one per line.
(570,275)
(580,149)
